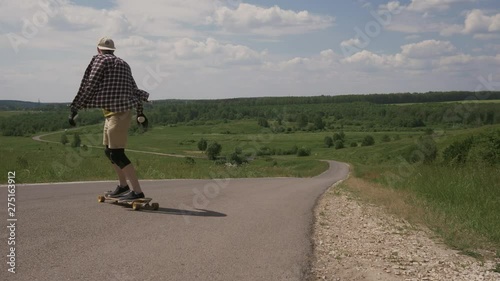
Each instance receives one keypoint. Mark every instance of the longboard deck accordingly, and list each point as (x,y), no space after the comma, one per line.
(137,204)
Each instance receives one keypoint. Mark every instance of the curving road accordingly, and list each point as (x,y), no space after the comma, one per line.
(226,229)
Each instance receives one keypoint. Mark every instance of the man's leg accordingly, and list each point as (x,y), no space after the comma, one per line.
(122,188)
(117,132)
(129,172)
(121,176)
(126,168)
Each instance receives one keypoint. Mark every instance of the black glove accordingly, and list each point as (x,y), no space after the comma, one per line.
(72,117)
(144,123)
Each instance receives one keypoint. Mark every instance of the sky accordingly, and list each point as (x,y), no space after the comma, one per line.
(215,49)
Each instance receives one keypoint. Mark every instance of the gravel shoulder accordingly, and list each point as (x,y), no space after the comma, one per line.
(357,241)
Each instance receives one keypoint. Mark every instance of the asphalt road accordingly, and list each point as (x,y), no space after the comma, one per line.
(227,229)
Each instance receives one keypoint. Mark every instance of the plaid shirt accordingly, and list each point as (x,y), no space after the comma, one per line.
(108,84)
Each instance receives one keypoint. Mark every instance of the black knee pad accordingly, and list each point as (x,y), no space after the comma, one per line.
(107,151)
(119,158)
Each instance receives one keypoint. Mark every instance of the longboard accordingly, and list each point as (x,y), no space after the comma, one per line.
(137,204)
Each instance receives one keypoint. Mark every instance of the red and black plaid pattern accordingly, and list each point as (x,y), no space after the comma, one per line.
(108,84)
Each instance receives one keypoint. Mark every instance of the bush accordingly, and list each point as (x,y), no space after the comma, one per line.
(319,124)
(265,151)
(368,141)
(339,136)
(429,148)
(189,161)
(213,150)
(489,148)
(263,122)
(424,151)
(77,141)
(291,151)
(429,131)
(457,152)
(303,151)
(328,142)
(220,161)
(339,144)
(237,158)
(482,149)
(64,139)
(202,145)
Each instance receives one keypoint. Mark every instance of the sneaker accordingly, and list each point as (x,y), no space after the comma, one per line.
(119,191)
(132,195)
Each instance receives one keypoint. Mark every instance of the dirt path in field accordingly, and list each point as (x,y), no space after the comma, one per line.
(39,138)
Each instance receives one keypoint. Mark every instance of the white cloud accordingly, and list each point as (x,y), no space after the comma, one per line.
(455,60)
(407,21)
(185,11)
(353,42)
(467,64)
(367,58)
(214,52)
(15,13)
(423,6)
(412,37)
(486,36)
(449,30)
(198,49)
(423,57)
(418,17)
(394,7)
(272,21)
(492,47)
(366,61)
(477,21)
(111,22)
(322,62)
(428,49)
(440,5)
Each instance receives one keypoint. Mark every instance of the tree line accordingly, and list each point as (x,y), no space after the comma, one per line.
(307,113)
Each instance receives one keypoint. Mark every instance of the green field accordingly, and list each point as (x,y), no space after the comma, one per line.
(52,162)
(467,199)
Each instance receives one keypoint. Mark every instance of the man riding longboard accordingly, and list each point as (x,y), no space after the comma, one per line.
(108,84)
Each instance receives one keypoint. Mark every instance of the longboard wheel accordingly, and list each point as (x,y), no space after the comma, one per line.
(155,206)
(136,206)
(101,199)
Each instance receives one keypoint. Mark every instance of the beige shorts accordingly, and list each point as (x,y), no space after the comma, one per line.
(116,130)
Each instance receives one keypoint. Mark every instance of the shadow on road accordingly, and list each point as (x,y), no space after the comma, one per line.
(179,212)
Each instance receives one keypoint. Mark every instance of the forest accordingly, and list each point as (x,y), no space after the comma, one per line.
(401,111)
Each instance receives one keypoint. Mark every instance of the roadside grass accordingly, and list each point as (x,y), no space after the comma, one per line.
(469,198)
(454,229)
(461,204)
